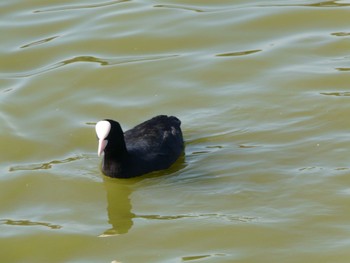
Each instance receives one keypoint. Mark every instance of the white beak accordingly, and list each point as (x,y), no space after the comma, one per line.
(101,146)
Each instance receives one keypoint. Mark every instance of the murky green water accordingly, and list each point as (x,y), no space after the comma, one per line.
(262,89)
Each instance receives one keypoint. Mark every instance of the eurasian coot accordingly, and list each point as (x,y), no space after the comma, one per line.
(150,146)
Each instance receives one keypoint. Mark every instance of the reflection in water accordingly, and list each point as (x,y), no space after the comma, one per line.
(119,207)
(120,214)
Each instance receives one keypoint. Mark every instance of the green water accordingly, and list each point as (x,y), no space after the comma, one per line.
(261,87)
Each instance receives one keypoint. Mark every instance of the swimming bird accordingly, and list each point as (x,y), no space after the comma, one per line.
(150,146)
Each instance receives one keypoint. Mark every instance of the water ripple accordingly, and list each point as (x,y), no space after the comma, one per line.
(183,8)
(87,59)
(338,94)
(43,166)
(339,3)
(74,7)
(341,34)
(329,4)
(343,69)
(230,218)
(39,42)
(199,257)
(240,53)
(28,223)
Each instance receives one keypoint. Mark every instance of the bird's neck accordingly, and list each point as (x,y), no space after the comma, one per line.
(115,163)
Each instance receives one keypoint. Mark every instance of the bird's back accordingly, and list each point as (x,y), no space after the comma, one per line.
(156,143)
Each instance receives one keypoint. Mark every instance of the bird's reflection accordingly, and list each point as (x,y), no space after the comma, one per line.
(119,206)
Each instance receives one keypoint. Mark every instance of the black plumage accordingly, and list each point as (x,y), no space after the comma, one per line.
(150,146)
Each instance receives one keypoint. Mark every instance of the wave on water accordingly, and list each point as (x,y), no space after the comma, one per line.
(74,7)
(87,59)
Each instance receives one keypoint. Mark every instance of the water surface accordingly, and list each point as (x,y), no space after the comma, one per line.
(261,87)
